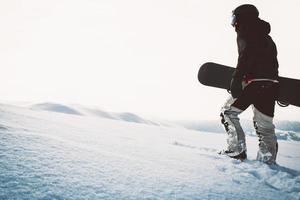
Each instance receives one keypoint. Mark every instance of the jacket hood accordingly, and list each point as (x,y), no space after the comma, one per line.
(255,29)
(263,27)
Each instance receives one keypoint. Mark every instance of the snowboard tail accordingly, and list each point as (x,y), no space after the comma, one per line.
(219,76)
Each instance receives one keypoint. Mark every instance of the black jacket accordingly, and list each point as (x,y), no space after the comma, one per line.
(257,54)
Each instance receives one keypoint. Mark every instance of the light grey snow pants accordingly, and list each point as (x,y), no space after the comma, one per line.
(264,127)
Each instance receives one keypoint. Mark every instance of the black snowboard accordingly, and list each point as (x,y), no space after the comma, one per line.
(216,75)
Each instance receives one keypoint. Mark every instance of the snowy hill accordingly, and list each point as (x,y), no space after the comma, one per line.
(285,130)
(54,107)
(81,110)
(54,155)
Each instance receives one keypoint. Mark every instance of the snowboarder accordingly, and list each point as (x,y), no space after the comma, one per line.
(255,82)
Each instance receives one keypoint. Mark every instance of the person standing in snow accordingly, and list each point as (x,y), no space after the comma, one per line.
(254,82)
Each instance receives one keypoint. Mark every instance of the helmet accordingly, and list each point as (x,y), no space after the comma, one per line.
(244,13)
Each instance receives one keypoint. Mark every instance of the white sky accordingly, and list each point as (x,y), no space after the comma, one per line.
(140,56)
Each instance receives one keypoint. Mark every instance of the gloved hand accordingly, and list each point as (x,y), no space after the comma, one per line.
(236,88)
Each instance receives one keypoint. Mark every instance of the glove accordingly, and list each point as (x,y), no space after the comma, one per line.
(236,88)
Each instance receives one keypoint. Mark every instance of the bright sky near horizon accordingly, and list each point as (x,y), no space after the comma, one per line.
(138,56)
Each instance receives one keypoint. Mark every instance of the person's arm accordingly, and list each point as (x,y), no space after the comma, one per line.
(244,62)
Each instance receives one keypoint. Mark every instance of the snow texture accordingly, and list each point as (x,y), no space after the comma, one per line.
(53,155)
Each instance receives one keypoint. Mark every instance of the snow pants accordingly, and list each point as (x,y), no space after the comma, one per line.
(261,95)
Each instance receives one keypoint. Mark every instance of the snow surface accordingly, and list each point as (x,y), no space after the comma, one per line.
(52,155)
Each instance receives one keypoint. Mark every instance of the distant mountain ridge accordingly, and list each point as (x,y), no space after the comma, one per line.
(55,107)
(285,130)
(82,110)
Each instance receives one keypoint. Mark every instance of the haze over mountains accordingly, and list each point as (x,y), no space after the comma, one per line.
(285,130)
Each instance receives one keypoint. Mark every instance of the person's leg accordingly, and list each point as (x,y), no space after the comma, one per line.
(229,116)
(263,110)
(265,131)
(236,137)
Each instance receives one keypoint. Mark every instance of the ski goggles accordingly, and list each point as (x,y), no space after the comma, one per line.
(233,20)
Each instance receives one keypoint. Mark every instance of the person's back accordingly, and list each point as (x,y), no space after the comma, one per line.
(255,82)
(253,39)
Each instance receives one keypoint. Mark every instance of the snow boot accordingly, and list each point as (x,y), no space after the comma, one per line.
(240,156)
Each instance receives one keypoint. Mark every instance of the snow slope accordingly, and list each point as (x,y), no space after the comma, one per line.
(285,130)
(50,155)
